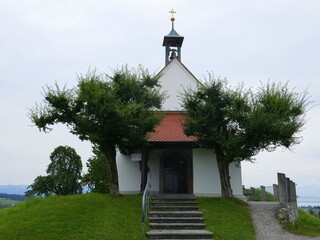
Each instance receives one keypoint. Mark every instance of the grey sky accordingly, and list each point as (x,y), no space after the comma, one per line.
(246,41)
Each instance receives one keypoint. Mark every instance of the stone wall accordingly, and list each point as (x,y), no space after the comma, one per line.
(251,195)
(293,212)
(285,193)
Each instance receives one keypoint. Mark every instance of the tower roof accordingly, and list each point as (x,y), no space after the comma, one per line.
(173,38)
(172,42)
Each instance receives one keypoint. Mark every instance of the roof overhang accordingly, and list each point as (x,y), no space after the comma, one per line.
(173,39)
(170,130)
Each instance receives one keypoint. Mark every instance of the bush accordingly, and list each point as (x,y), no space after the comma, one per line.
(270,196)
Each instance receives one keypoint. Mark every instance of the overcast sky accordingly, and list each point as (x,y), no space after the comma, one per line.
(248,41)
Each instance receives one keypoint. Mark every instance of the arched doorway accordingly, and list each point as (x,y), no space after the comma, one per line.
(175,173)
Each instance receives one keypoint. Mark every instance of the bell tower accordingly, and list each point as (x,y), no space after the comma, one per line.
(172,42)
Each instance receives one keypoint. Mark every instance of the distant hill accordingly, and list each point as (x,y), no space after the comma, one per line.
(13,189)
(15,197)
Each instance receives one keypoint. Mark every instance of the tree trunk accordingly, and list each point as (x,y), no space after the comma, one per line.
(223,166)
(112,171)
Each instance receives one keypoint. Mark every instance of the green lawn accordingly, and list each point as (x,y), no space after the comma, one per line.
(305,225)
(270,197)
(100,216)
(228,219)
(89,216)
(9,201)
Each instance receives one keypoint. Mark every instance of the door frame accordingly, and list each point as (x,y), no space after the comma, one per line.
(187,154)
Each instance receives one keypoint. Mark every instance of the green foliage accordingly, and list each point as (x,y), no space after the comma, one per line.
(108,111)
(64,175)
(97,177)
(229,219)
(278,114)
(216,116)
(270,196)
(242,123)
(81,217)
(306,224)
(238,123)
(312,212)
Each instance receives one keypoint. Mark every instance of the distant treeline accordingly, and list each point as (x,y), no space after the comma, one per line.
(15,197)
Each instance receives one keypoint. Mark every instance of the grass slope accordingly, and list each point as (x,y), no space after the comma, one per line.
(97,216)
(77,217)
(305,225)
(228,219)
(270,196)
(5,201)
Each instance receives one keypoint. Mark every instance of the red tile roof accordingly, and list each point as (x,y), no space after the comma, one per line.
(170,130)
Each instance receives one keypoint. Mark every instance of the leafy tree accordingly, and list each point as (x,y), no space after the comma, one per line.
(64,175)
(237,123)
(107,111)
(312,212)
(97,177)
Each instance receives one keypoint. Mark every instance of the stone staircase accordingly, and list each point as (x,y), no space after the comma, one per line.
(176,217)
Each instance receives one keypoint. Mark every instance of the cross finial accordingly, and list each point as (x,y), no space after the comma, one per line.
(172,13)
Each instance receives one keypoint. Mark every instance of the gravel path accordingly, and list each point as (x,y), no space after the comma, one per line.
(267,225)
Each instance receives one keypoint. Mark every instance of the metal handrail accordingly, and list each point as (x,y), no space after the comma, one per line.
(146,202)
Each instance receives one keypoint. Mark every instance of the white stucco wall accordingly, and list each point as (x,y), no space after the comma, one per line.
(205,173)
(236,179)
(206,181)
(129,174)
(174,78)
(154,164)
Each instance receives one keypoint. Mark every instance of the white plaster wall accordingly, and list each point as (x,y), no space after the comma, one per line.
(129,174)
(236,179)
(174,78)
(206,181)
(154,164)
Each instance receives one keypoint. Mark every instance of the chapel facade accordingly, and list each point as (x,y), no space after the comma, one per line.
(174,161)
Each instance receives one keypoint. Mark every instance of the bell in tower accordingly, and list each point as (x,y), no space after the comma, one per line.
(172,42)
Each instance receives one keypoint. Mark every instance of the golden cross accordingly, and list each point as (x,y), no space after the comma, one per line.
(172,13)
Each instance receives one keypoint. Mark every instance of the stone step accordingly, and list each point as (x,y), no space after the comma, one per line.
(179,234)
(176,219)
(174,208)
(175,214)
(176,203)
(169,199)
(177,225)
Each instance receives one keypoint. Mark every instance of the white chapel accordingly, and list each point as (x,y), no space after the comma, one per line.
(175,163)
